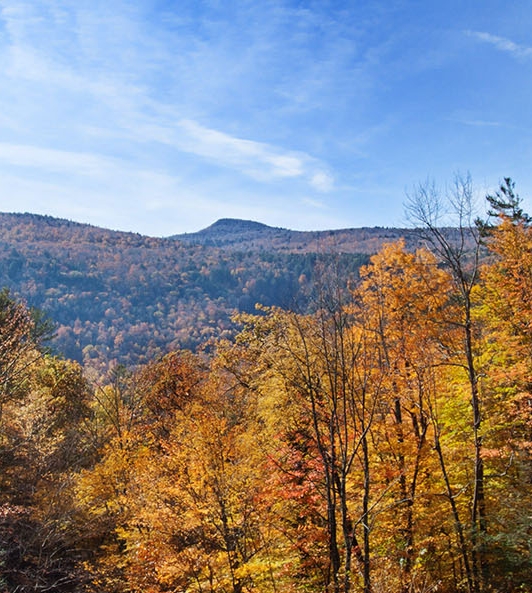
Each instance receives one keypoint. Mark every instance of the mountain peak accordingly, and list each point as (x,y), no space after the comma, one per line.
(232,231)
(232,225)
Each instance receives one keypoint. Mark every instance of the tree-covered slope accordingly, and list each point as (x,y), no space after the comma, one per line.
(380,443)
(230,233)
(126,298)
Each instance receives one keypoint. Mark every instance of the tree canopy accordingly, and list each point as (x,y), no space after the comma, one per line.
(379,440)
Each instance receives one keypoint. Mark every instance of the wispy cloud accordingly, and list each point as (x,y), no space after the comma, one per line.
(259,160)
(474,122)
(254,158)
(322,181)
(100,190)
(481,123)
(503,44)
(57,161)
(103,90)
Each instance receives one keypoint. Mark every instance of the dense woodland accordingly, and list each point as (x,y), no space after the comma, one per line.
(124,298)
(377,442)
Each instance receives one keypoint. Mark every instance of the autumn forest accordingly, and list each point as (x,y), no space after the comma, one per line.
(372,435)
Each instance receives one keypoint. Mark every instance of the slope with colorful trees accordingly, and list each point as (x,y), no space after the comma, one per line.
(380,443)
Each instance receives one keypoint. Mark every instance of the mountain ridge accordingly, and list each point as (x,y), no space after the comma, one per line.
(233,233)
(124,298)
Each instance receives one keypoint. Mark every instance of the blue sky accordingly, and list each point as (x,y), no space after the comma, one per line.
(160,117)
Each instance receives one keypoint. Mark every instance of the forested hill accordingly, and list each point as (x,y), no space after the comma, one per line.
(123,297)
(230,233)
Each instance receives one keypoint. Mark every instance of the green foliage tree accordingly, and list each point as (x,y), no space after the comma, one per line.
(505,306)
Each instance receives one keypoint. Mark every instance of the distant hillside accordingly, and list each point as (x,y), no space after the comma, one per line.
(125,298)
(229,233)
(232,232)
(233,227)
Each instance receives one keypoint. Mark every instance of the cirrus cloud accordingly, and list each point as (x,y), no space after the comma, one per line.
(503,44)
(258,160)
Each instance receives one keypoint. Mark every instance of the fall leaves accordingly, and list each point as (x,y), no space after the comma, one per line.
(381,443)
(332,451)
